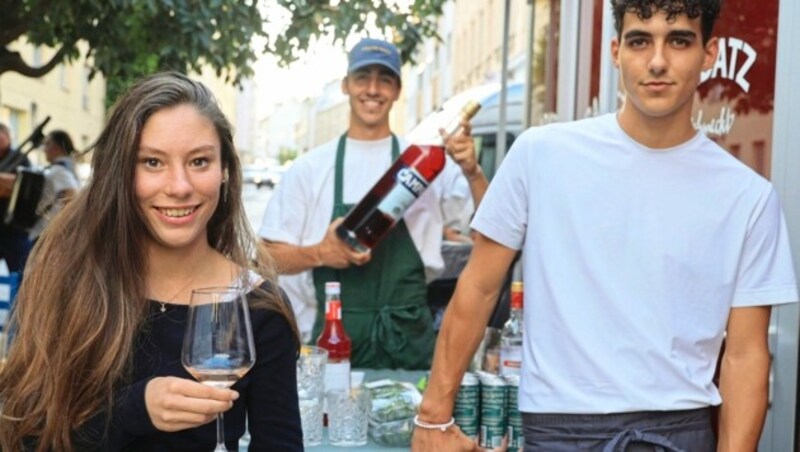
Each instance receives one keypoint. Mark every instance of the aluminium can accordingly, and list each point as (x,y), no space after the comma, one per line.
(494,395)
(514,425)
(466,410)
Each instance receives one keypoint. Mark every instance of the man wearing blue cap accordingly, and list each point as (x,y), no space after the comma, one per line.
(383,291)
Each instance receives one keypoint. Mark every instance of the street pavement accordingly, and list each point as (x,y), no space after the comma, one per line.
(255,202)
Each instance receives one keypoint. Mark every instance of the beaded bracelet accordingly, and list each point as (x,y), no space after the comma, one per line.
(442,427)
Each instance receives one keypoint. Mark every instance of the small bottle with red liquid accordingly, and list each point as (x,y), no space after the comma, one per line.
(334,339)
(386,202)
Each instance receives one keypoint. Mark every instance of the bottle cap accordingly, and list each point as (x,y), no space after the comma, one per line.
(469,109)
(333,288)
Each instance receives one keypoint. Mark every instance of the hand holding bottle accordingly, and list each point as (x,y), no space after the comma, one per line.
(408,177)
(461,147)
(335,253)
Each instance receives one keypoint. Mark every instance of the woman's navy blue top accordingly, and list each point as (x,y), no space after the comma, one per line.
(267,393)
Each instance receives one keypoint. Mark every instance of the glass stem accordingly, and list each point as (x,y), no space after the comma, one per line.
(220,435)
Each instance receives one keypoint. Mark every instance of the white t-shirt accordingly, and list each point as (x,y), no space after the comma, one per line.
(299,211)
(632,258)
(58,177)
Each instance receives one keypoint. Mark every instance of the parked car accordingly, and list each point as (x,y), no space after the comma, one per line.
(260,176)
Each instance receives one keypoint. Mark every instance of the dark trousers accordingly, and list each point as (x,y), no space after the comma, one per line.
(668,431)
(14,247)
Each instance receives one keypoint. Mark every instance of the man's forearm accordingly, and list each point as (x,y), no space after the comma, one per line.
(462,329)
(292,259)
(464,325)
(744,388)
(478,183)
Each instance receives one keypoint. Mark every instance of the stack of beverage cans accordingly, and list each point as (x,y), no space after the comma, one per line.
(486,409)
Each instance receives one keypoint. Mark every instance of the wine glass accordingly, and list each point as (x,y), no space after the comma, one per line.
(218,346)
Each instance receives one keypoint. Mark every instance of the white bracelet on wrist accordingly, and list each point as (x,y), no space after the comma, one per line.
(427,425)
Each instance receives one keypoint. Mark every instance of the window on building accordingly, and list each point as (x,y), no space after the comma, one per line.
(85,88)
(36,61)
(34,114)
(14,121)
(63,77)
(420,112)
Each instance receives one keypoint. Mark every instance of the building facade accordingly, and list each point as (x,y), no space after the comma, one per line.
(73,102)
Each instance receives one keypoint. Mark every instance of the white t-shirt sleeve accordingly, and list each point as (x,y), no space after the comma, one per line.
(766,274)
(285,213)
(503,213)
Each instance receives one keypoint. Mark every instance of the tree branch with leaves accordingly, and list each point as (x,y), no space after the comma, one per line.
(130,38)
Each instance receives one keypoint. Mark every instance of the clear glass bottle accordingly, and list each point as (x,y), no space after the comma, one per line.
(511,336)
(335,340)
(383,206)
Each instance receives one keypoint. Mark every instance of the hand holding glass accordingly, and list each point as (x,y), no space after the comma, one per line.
(218,346)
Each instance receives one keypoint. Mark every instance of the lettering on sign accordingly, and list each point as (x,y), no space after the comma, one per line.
(721,125)
(734,61)
(411,181)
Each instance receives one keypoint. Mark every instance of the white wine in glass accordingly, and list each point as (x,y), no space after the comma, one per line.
(218,346)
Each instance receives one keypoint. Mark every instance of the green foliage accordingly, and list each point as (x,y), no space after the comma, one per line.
(129,38)
(311,18)
(286,155)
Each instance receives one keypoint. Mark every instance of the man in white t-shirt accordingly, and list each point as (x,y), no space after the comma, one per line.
(60,183)
(644,244)
(384,291)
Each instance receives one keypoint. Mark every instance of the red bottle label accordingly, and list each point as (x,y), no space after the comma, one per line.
(333,336)
(333,310)
(516,300)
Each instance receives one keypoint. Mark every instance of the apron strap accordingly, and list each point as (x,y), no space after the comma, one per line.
(338,181)
(620,442)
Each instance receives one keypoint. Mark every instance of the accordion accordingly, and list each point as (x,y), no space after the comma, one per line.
(25,196)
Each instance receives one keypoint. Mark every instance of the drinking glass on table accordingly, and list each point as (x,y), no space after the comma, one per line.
(218,347)
(310,391)
(348,416)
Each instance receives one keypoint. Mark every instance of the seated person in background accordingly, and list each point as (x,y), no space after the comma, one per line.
(14,243)
(101,313)
(61,180)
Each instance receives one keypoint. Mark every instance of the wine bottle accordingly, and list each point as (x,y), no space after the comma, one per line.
(335,340)
(413,171)
(511,336)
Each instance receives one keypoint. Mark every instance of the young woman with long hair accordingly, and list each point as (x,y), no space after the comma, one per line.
(100,315)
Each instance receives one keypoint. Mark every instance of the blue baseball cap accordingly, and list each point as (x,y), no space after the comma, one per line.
(370,51)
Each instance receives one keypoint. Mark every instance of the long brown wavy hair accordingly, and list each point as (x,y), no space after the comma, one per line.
(82,301)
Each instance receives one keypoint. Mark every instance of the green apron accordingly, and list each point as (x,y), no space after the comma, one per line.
(384,307)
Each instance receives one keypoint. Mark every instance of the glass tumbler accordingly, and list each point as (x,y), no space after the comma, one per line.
(348,416)
(310,392)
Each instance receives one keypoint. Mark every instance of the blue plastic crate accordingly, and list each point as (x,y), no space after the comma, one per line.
(8,291)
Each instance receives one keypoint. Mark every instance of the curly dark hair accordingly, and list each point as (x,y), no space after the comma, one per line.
(707,10)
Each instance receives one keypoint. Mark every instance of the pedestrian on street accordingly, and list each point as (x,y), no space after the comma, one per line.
(644,245)
(384,305)
(96,360)
(61,181)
